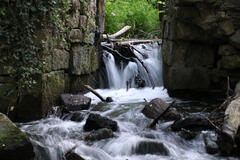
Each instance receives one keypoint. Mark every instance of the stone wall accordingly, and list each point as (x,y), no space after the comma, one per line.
(66,69)
(201,46)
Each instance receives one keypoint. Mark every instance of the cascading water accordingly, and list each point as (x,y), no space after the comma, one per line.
(118,76)
(53,137)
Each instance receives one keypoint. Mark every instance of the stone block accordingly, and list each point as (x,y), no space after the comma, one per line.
(91,24)
(227,27)
(53,84)
(60,59)
(74,20)
(82,21)
(89,38)
(81,60)
(76,35)
(94,59)
(76,4)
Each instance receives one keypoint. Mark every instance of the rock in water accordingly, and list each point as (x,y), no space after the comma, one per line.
(14,144)
(75,102)
(75,116)
(154,108)
(71,155)
(187,135)
(192,124)
(99,134)
(151,147)
(157,107)
(210,143)
(95,122)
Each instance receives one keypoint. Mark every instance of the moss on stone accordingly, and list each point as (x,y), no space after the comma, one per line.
(13,142)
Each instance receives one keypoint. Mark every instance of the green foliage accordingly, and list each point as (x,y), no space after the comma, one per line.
(141,15)
(21,22)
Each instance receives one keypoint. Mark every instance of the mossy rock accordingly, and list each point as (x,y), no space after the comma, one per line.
(14,144)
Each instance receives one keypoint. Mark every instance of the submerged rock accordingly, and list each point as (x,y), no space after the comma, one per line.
(139,81)
(75,102)
(187,135)
(151,147)
(103,133)
(14,144)
(192,124)
(75,116)
(210,143)
(96,121)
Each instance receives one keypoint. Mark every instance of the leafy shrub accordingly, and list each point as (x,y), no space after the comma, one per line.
(141,15)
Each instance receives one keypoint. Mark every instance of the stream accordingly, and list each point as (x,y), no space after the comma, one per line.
(52,137)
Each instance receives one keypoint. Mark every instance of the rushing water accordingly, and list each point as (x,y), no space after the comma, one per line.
(53,137)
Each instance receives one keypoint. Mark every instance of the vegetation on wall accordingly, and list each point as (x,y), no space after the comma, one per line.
(20,48)
(142,15)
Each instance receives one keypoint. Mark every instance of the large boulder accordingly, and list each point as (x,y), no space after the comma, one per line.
(75,102)
(96,121)
(14,144)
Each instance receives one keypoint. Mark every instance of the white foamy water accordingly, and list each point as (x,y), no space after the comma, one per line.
(133,95)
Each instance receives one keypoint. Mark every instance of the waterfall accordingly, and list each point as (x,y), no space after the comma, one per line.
(119,75)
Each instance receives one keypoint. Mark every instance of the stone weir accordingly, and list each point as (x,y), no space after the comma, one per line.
(65,70)
(201,46)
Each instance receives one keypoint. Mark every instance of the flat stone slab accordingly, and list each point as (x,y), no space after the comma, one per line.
(75,102)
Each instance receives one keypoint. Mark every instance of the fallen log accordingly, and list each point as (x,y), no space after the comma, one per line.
(133,42)
(154,122)
(108,99)
(117,34)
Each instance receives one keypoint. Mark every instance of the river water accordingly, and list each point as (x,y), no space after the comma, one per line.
(53,137)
